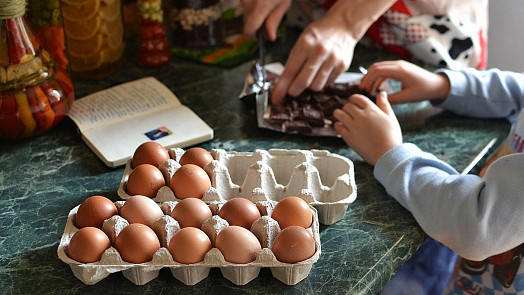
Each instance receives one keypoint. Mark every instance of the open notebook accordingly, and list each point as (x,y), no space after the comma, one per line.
(115,121)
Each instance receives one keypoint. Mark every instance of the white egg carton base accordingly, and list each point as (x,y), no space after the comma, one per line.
(189,274)
(323,179)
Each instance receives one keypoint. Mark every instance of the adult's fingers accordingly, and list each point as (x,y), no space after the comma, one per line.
(274,18)
(253,20)
(307,74)
(294,64)
(325,72)
(339,69)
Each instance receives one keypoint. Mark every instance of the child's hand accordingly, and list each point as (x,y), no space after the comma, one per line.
(371,130)
(418,84)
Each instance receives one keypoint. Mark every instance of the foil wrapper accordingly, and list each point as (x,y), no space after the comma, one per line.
(310,113)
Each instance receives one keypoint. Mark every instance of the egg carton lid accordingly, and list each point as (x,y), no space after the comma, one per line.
(323,179)
(189,274)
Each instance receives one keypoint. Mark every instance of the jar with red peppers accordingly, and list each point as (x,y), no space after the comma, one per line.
(196,23)
(45,19)
(153,48)
(35,93)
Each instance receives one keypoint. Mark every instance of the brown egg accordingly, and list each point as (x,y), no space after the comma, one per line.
(293,244)
(191,212)
(239,211)
(237,244)
(150,152)
(190,181)
(141,209)
(189,245)
(137,243)
(94,210)
(292,211)
(88,244)
(197,156)
(145,180)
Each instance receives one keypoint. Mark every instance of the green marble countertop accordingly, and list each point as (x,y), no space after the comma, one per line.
(44,177)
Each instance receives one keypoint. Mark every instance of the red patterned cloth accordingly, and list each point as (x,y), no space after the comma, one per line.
(444,33)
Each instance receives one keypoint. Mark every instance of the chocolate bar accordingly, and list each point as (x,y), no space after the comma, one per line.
(311,109)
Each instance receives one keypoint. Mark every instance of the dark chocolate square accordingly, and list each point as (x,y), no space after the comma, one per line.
(296,127)
(314,116)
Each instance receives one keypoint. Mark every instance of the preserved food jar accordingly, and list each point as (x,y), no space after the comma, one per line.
(196,23)
(94,32)
(153,49)
(35,93)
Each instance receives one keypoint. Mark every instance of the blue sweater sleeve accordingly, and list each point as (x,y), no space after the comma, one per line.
(475,217)
(485,94)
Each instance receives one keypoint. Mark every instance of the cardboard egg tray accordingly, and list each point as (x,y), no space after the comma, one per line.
(324,180)
(265,229)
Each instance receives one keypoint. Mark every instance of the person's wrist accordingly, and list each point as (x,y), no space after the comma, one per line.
(441,86)
(358,15)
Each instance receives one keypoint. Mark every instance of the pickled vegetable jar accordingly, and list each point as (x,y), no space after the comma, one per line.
(35,94)
(196,23)
(45,19)
(152,41)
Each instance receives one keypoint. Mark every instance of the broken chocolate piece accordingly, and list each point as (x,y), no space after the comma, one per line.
(303,97)
(320,97)
(340,89)
(329,106)
(311,112)
(279,114)
(341,101)
(296,127)
(314,116)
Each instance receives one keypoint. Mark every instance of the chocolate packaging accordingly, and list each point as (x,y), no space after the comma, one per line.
(311,112)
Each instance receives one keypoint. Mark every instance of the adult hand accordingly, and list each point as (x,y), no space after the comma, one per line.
(371,130)
(322,52)
(417,83)
(268,13)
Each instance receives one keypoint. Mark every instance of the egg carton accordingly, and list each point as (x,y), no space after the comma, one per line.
(265,229)
(322,179)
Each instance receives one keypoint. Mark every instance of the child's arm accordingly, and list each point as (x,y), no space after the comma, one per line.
(485,94)
(475,217)
(470,92)
(418,84)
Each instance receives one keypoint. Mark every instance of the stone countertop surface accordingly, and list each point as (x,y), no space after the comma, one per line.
(42,178)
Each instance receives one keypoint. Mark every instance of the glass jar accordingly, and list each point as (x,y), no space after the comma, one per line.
(153,50)
(45,19)
(35,93)
(196,23)
(94,33)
